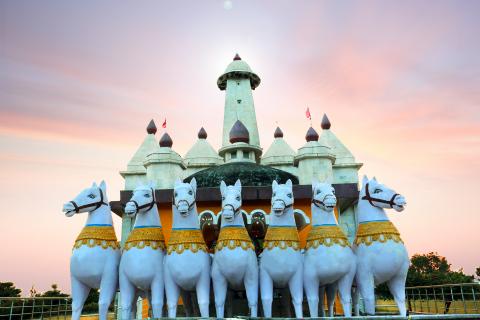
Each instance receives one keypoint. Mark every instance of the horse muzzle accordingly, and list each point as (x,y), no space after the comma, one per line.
(183,208)
(399,203)
(228,215)
(278,207)
(130,209)
(68,209)
(330,203)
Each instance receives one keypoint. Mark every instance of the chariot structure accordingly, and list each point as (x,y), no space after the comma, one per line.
(241,156)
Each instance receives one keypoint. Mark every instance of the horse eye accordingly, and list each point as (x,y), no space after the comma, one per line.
(377,191)
(289,195)
(91,196)
(238,198)
(176,194)
(274,194)
(146,195)
(223,198)
(318,191)
(190,192)
(333,191)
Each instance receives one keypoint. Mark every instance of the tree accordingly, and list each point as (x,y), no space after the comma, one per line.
(54,292)
(477,272)
(8,289)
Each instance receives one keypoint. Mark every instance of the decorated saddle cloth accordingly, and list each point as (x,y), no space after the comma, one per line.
(145,236)
(232,237)
(282,237)
(182,239)
(326,235)
(381,231)
(97,235)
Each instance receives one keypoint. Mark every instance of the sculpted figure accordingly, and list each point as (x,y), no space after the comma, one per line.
(187,264)
(141,265)
(381,254)
(329,260)
(281,262)
(96,253)
(235,262)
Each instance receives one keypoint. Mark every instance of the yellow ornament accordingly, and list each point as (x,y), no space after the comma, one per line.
(234,237)
(381,231)
(141,237)
(326,235)
(282,237)
(186,239)
(97,236)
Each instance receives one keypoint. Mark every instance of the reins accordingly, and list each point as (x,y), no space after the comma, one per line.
(370,199)
(97,204)
(146,205)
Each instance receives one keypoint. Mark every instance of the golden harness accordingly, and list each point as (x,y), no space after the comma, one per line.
(97,235)
(282,237)
(234,237)
(186,239)
(141,237)
(380,231)
(326,235)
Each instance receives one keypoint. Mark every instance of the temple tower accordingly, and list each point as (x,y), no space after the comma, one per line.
(238,81)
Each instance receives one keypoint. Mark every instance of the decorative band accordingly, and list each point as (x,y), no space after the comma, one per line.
(380,231)
(281,237)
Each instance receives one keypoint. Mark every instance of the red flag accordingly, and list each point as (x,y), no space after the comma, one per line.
(164,125)
(307,113)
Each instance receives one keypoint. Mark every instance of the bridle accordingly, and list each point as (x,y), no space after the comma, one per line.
(370,199)
(319,203)
(97,204)
(146,205)
(284,203)
(235,210)
(190,205)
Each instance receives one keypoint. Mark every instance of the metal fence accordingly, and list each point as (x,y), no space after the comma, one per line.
(35,308)
(460,298)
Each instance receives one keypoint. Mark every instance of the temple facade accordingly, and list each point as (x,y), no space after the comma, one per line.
(323,156)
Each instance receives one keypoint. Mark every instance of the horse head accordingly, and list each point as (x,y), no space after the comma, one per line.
(88,200)
(184,196)
(282,197)
(323,196)
(142,200)
(381,196)
(231,200)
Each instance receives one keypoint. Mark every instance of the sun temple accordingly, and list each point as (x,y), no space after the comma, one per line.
(323,156)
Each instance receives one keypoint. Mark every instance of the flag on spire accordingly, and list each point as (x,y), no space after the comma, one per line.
(164,124)
(307,113)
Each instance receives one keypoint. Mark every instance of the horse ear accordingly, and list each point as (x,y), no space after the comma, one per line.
(274,185)
(314,183)
(223,187)
(152,184)
(364,180)
(178,182)
(94,184)
(103,186)
(289,183)
(238,185)
(328,180)
(375,179)
(193,183)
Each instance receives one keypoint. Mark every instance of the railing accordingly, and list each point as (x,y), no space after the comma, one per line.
(460,298)
(35,308)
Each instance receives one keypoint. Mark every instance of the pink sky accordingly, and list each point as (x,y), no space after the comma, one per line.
(79,82)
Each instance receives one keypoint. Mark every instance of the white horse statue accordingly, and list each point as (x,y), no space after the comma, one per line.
(329,260)
(281,262)
(187,264)
(141,266)
(381,254)
(235,262)
(96,253)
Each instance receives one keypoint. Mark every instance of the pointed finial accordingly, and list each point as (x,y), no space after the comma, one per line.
(151,128)
(325,122)
(237,57)
(311,135)
(239,133)
(278,133)
(202,134)
(166,141)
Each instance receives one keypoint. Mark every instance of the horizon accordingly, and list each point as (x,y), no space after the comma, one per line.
(80,82)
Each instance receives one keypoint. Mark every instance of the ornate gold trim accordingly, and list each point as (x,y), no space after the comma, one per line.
(97,236)
(234,237)
(282,237)
(145,237)
(380,231)
(326,236)
(181,240)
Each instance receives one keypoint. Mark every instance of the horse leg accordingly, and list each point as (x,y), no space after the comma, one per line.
(173,292)
(108,288)
(397,289)
(295,285)
(157,294)
(321,300)
(310,284)
(365,284)
(266,292)
(219,290)
(331,293)
(345,291)
(203,292)
(251,287)
(79,295)
(127,296)
(355,300)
